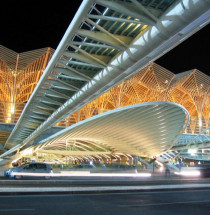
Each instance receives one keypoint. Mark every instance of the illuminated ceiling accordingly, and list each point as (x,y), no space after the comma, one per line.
(144,129)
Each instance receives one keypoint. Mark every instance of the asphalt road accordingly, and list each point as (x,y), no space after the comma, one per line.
(191,202)
(99,181)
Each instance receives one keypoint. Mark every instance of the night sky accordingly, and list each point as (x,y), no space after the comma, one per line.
(27,26)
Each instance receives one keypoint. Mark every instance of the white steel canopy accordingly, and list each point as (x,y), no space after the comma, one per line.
(145,129)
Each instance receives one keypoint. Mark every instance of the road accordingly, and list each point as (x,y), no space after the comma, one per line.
(99,181)
(191,202)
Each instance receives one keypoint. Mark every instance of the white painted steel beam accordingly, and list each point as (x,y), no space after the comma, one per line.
(87,59)
(71,74)
(128,9)
(110,18)
(106,39)
(86,77)
(97,45)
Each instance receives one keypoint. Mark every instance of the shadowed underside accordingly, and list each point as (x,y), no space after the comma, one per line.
(144,129)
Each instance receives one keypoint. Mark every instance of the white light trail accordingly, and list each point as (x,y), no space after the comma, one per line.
(188,173)
(81,173)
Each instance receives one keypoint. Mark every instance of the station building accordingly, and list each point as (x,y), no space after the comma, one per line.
(20,73)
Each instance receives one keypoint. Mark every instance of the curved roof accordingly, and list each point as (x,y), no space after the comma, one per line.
(145,129)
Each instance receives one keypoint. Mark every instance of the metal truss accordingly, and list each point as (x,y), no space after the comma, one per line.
(199,141)
(19,74)
(106,42)
(155,83)
(189,141)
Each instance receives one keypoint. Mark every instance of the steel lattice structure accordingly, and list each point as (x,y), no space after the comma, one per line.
(19,74)
(155,83)
(106,42)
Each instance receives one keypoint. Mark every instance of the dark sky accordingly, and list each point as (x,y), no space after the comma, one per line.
(193,53)
(27,26)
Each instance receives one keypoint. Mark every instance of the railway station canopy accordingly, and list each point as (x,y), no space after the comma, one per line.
(144,115)
(103,66)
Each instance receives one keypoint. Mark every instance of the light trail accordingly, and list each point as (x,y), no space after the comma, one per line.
(188,173)
(81,174)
